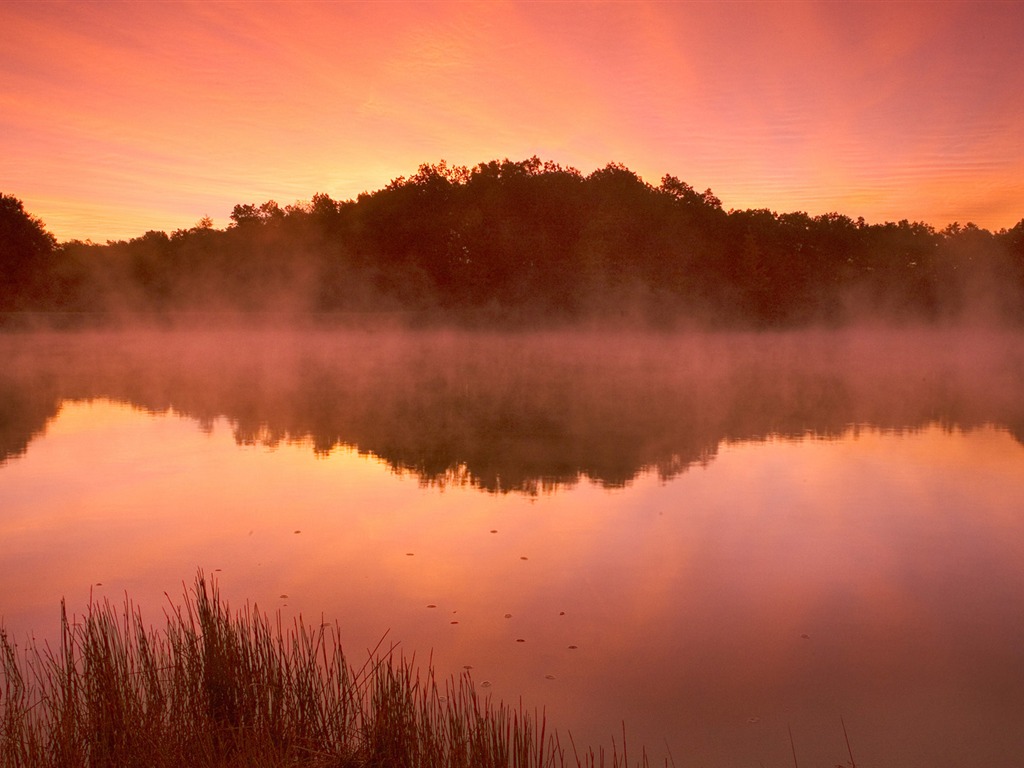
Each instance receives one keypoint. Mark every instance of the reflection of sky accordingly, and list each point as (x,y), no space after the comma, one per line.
(121,118)
(897,556)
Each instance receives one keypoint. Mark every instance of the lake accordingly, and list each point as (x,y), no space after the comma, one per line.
(715,539)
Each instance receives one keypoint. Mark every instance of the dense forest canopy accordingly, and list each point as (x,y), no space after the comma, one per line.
(521,243)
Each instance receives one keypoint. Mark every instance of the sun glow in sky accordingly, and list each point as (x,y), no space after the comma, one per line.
(117,118)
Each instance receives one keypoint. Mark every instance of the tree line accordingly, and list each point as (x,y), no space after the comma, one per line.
(527,242)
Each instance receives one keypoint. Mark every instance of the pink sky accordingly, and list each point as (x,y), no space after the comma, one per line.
(117,118)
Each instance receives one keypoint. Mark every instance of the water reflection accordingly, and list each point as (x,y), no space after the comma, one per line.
(523,412)
(850,548)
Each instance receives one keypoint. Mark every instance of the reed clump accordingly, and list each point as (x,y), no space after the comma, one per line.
(219,688)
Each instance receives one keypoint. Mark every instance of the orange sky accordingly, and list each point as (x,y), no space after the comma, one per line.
(117,118)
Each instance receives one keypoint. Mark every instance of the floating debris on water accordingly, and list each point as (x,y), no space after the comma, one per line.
(753,720)
(508,615)
(549,677)
(297,531)
(283,597)
(485,684)
(520,640)
(806,637)
(431,606)
(454,622)
(573,647)
(524,558)
(561,613)
(408,554)
(494,530)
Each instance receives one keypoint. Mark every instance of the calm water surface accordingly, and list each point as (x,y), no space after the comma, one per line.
(714,539)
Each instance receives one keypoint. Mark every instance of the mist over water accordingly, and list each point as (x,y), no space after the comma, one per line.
(522,411)
(713,536)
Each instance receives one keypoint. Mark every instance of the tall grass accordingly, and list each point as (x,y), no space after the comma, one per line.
(221,689)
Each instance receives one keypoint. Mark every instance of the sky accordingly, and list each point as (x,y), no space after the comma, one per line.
(117,118)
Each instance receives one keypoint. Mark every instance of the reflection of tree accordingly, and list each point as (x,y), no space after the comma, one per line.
(24,415)
(523,412)
(29,397)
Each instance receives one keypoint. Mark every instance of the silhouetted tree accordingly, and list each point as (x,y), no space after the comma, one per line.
(531,241)
(26,258)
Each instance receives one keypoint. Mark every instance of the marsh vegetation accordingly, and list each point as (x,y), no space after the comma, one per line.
(215,688)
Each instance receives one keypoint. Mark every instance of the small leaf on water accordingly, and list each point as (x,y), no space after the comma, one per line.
(494,531)
(284,597)
(454,622)
(520,640)
(549,677)
(431,606)
(561,613)
(298,531)
(524,558)
(573,647)
(408,554)
(508,615)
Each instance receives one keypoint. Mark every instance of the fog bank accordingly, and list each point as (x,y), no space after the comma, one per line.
(523,411)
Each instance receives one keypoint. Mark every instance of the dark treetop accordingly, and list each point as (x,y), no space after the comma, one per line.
(527,242)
